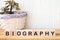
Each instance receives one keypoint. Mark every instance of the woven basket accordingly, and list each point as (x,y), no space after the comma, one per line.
(14,21)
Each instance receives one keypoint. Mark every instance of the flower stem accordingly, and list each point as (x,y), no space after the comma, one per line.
(11,8)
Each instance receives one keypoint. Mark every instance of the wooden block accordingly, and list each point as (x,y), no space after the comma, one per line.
(56,37)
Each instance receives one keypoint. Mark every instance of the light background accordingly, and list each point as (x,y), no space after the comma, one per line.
(41,13)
